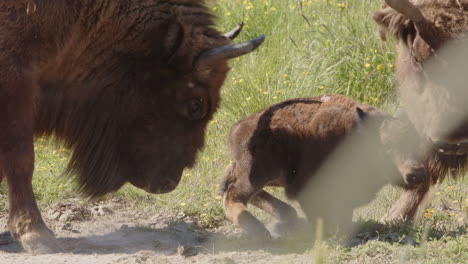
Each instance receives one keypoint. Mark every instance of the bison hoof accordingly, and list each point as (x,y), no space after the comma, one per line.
(40,242)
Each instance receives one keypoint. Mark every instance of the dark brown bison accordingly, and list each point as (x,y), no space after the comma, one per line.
(128,85)
(432,55)
(288,145)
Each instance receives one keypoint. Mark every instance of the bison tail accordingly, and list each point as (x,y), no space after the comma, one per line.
(440,166)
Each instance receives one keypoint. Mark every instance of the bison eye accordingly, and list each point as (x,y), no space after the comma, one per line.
(195,106)
(195,109)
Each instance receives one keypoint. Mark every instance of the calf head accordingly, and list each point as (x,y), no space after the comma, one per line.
(402,143)
(399,142)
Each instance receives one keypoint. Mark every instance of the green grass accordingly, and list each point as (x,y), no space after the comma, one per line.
(321,47)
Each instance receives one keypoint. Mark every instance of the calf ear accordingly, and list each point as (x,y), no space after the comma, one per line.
(360,114)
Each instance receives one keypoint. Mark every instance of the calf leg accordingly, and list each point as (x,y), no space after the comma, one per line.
(285,213)
(274,206)
(235,197)
(407,205)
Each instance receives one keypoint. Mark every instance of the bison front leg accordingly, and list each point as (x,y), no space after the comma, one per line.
(407,205)
(17,161)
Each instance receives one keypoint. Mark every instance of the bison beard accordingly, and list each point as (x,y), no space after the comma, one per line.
(431,62)
(128,85)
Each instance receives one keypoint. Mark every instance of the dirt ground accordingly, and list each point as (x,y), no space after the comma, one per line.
(111,233)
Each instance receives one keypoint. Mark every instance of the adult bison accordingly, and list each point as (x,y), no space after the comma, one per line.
(432,56)
(128,85)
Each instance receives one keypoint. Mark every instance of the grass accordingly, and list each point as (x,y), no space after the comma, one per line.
(311,49)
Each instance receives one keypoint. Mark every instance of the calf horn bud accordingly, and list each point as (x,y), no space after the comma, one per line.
(427,30)
(211,57)
(233,33)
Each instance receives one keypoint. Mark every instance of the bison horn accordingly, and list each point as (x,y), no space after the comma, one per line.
(211,57)
(428,32)
(233,33)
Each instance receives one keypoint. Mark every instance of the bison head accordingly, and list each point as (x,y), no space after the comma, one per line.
(151,124)
(178,94)
(431,58)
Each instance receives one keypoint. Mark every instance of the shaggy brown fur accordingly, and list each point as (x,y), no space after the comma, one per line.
(128,85)
(429,103)
(286,144)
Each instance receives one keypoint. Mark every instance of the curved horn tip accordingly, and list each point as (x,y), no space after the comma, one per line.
(258,41)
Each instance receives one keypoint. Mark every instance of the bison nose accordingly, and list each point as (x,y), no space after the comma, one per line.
(416,176)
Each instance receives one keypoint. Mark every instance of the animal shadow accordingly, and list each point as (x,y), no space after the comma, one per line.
(182,238)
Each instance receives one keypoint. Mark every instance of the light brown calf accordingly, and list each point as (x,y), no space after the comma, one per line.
(287,144)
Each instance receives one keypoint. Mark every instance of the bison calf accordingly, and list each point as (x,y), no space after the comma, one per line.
(288,144)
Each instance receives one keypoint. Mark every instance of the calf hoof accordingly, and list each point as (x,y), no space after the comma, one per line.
(261,235)
(258,237)
(280,229)
(289,228)
(40,241)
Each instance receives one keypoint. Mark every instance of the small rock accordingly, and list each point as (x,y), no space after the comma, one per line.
(181,215)
(66,216)
(393,237)
(354,242)
(125,229)
(186,251)
(224,260)
(101,210)
(54,215)
(364,235)
(408,240)
(157,244)
(66,227)
(105,210)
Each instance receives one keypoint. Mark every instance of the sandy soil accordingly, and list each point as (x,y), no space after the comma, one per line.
(110,233)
